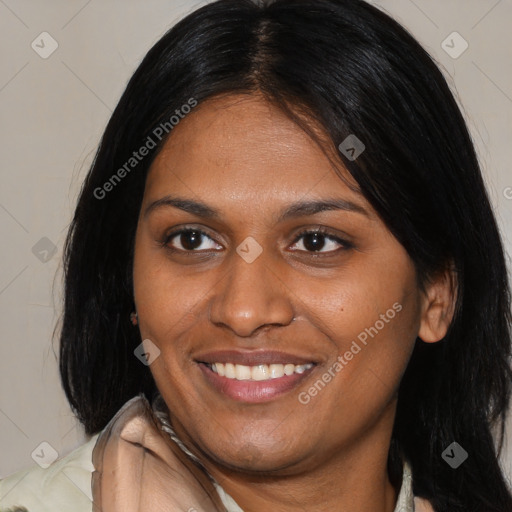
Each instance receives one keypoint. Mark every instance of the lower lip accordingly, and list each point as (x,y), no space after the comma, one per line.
(253,391)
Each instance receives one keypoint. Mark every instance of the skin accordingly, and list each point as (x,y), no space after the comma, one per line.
(245,158)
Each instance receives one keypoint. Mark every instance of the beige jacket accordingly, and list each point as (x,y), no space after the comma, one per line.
(136,464)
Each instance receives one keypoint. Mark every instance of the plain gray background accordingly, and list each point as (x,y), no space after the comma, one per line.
(54,110)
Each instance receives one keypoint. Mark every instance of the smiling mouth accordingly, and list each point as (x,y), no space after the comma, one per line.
(261,372)
(254,384)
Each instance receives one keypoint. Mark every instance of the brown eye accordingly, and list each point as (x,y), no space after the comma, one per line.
(317,241)
(190,240)
(314,241)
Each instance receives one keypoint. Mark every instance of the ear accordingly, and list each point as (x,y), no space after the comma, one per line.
(438,305)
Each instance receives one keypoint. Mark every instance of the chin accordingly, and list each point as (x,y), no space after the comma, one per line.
(250,458)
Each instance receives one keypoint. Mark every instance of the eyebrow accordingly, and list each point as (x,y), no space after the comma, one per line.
(304,208)
(187,205)
(298,209)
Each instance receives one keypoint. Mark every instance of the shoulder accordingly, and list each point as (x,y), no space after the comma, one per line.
(65,485)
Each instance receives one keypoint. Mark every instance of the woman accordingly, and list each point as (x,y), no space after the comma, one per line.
(285,287)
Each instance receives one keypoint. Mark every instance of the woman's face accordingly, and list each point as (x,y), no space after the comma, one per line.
(312,331)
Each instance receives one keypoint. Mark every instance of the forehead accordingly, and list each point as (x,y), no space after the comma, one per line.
(243,148)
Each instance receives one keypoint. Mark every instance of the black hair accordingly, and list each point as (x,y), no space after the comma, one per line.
(354,70)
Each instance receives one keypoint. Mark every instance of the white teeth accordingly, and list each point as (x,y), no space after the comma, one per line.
(229,370)
(259,372)
(276,371)
(289,369)
(242,372)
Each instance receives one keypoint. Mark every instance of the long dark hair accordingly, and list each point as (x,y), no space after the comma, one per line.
(350,67)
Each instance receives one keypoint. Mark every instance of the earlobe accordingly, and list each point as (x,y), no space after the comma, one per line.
(438,306)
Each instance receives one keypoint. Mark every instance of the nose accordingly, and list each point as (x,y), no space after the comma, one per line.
(250,297)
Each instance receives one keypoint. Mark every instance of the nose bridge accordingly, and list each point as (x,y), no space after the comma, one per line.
(251,295)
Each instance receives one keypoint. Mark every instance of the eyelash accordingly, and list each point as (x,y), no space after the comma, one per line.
(345,245)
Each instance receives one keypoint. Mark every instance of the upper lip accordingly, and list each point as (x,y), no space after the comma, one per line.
(252,357)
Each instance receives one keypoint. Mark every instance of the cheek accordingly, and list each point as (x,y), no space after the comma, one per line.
(168,304)
(167,298)
(370,315)
(372,332)
(353,300)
